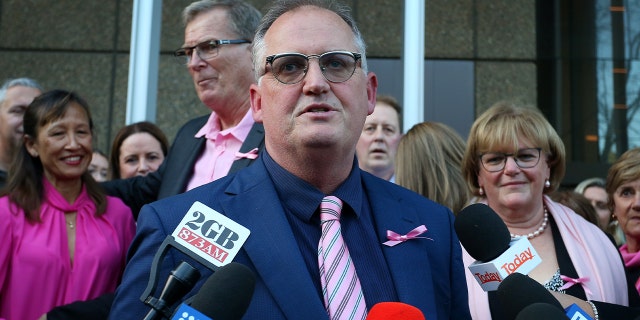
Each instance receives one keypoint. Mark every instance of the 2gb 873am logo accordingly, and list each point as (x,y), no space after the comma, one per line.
(210,234)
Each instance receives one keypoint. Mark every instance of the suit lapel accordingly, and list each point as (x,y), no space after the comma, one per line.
(255,139)
(184,153)
(271,246)
(403,259)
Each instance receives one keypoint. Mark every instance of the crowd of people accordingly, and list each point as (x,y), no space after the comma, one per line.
(298,146)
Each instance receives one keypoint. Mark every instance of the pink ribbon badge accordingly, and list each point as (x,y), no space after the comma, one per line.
(249,155)
(570,282)
(395,238)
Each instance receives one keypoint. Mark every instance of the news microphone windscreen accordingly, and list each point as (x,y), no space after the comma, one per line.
(482,232)
(394,310)
(227,293)
(540,310)
(517,291)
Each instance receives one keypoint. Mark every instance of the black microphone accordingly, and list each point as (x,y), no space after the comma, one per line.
(487,239)
(180,281)
(540,310)
(226,295)
(518,291)
(482,232)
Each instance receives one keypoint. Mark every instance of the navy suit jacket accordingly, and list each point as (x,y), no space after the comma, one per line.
(177,169)
(428,274)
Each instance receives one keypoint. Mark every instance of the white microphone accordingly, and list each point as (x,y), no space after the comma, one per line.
(487,239)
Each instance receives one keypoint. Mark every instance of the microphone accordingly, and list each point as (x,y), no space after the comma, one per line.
(226,295)
(394,310)
(181,280)
(517,291)
(487,239)
(540,310)
(205,236)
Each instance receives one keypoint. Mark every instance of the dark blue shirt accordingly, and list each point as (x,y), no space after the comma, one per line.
(301,202)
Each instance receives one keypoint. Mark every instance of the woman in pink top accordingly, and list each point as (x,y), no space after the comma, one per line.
(62,239)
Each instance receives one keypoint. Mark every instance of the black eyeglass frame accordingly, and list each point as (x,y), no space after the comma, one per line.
(270,59)
(184,58)
(507,155)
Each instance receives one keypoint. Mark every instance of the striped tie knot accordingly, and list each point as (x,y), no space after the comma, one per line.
(330,209)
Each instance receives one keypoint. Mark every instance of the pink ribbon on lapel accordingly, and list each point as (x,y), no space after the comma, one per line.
(571,282)
(395,238)
(249,155)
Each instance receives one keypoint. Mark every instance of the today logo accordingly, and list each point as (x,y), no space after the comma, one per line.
(520,259)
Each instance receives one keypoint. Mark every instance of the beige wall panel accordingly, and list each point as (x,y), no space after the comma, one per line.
(449,29)
(380,23)
(506,29)
(60,24)
(497,81)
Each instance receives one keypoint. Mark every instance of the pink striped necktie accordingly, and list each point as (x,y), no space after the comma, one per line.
(341,289)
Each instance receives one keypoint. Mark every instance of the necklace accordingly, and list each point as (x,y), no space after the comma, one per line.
(70,219)
(537,232)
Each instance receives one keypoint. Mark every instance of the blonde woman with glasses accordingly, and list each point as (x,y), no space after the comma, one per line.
(513,160)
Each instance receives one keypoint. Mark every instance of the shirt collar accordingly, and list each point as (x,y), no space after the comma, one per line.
(303,199)
(212,127)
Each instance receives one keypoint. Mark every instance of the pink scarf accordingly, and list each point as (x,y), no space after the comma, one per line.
(631,260)
(592,253)
(82,204)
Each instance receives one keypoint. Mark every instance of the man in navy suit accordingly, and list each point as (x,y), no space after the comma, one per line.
(313,94)
(217,54)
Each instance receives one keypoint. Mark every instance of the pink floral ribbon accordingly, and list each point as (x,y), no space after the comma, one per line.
(570,282)
(395,238)
(252,154)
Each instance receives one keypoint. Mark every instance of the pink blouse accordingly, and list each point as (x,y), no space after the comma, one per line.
(36,273)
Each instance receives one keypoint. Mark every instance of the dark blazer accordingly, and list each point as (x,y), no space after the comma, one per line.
(427,273)
(175,172)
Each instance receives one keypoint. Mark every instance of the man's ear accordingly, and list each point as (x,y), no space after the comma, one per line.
(372,89)
(256,102)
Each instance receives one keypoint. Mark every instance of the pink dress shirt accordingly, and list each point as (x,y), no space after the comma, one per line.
(36,273)
(220,150)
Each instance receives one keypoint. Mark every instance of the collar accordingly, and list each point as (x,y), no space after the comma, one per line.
(212,127)
(303,199)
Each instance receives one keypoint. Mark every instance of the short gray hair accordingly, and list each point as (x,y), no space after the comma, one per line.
(243,17)
(281,7)
(22,82)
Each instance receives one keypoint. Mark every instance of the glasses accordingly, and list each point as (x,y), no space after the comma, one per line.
(336,66)
(205,50)
(524,158)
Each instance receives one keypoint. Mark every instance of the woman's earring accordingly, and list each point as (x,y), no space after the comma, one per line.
(547,184)
(481,191)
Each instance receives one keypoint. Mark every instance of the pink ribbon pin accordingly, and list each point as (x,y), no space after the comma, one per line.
(395,238)
(570,282)
(249,155)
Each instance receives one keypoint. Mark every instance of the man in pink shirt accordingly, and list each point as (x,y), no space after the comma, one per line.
(217,54)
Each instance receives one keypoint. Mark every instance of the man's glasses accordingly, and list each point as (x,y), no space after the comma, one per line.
(205,50)
(336,66)
(524,158)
